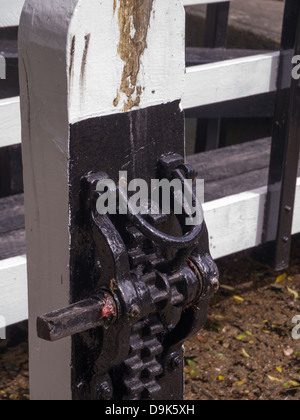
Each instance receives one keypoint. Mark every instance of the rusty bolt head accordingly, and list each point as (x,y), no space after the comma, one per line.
(215,284)
(134,312)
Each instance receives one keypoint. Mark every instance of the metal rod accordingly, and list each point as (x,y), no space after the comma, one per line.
(99,311)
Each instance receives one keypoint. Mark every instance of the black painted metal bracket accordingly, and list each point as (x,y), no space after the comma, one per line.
(138,318)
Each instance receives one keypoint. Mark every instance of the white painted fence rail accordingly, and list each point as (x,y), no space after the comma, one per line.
(10,122)
(197,2)
(10,12)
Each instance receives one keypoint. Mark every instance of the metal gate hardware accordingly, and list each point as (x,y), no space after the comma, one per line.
(156,299)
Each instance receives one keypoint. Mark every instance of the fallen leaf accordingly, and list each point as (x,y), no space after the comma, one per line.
(194,372)
(293,292)
(288,352)
(221,378)
(239,383)
(274,379)
(293,383)
(241,337)
(279,369)
(229,288)
(281,278)
(246,354)
(238,299)
(191,362)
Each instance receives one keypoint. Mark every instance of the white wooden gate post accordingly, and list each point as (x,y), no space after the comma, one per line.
(75,64)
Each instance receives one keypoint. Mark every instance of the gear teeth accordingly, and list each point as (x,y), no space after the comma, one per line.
(152,369)
(134,366)
(137,257)
(177,298)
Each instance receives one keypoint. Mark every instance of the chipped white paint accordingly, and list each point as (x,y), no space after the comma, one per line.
(10,11)
(162,64)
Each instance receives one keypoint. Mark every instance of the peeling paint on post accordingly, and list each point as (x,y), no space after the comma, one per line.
(134,22)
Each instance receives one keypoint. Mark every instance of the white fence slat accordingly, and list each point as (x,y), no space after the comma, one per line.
(231,79)
(10,12)
(197,2)
(10,122)
(13,286)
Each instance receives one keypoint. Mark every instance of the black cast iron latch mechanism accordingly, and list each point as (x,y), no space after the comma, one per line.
(152,288)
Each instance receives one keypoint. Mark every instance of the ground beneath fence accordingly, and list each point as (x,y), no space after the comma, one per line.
(246,351)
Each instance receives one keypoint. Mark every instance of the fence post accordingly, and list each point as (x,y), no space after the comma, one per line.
(101,85)
(279,210)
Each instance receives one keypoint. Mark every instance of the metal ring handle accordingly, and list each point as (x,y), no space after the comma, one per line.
(189,239)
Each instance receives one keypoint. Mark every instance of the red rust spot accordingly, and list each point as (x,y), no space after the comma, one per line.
(109,309)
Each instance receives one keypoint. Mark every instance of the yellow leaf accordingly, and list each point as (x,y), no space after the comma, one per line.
(274,379)
(281,278)
(246,354)
(241,337)
(294,383)
(290,279)
(294,293)
(221,378)
(238,299)
(239,384)
(279,369)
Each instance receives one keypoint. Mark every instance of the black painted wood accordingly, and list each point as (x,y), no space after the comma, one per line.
(216,26)
(232,161)
(12,227)
(252,106)
(11,171)
(215,36)
(198,56)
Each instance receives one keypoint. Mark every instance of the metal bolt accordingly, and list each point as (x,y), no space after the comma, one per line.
(134,312)
(104,392)
(285,239)
(288,209)
(175,361)
(215,284)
